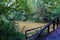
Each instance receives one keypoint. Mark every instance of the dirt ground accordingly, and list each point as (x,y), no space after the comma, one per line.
(25,25)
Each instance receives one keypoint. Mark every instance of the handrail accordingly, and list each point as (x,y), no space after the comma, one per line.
(30,30)
(38,34)
(35,36)
(33,28)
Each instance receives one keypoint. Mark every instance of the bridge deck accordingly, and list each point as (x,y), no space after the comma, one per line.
(55,35)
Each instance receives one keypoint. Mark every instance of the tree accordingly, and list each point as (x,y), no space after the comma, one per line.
(8,28)
(48,9)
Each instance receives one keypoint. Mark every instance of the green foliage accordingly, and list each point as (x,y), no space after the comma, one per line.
(9,32)
(8,28)
(47,9)
(52,6)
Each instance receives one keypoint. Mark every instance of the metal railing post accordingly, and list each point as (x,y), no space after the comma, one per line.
(54,25)
(25,35)
(57,22)
(48,29)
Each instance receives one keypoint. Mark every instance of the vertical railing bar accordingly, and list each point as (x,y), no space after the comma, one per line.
(57,22)
(54,25)
(25,35)
(48,29)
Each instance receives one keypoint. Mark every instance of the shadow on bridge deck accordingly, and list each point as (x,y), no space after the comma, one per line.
(55,35)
